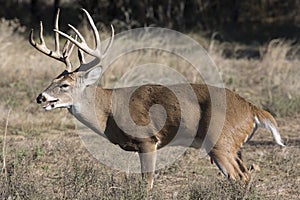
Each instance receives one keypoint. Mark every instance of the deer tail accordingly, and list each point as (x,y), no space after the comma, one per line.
(265,120)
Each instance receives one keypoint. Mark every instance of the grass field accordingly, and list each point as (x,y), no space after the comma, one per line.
(42,157)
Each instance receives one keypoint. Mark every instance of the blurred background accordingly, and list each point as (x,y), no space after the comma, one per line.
(234,20)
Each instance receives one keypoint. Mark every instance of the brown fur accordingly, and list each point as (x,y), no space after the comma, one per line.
(238,125)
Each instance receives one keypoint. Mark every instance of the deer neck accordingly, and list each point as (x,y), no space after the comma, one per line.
(92,108)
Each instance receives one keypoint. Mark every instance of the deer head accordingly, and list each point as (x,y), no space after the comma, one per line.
(63,89)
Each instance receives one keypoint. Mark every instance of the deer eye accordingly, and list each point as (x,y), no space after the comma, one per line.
(64,86)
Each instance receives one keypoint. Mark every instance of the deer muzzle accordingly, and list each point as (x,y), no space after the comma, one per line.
(41,98)
(48,101)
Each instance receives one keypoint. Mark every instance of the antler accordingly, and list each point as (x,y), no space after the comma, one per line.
(83,45)
(62,56)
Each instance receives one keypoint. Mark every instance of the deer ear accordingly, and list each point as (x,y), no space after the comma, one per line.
(92,76)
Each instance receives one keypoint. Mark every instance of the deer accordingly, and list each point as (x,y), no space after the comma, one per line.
(73,89)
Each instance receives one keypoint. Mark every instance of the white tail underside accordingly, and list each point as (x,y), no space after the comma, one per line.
(270,126)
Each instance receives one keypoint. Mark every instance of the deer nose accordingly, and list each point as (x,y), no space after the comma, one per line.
(40,99)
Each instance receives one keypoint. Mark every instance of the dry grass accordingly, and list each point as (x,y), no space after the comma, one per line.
(46,159)
(271,81)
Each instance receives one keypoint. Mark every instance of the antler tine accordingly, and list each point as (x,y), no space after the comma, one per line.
(66,53)
(41,33)
(81,56)
(56,54)
(95,30)
(42,46)
(56,35)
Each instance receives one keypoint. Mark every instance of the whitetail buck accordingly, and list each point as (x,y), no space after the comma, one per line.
(74,90)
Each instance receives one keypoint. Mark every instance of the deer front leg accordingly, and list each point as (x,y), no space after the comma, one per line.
(147,155)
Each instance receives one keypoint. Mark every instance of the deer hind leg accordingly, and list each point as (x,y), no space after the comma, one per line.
(243,167)
(223,164)
(147,155)
(230,165)
(240,168)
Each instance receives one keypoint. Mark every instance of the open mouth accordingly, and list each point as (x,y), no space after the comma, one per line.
(50,104)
